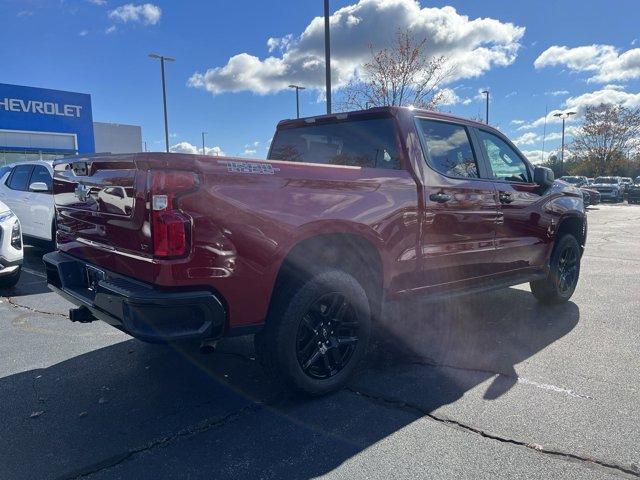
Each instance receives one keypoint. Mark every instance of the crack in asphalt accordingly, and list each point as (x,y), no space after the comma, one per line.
(200,427)
(417,410)
(15,304)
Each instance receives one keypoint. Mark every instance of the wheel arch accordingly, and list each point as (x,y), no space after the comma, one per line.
(351,252)
(575,225)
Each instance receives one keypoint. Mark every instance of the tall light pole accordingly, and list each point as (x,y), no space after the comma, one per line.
(164,95)
(327,54)
(204,151)
(563,116)
(298,88)
(544,130)
(486,118)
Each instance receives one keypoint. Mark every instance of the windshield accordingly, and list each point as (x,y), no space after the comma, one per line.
(606,180)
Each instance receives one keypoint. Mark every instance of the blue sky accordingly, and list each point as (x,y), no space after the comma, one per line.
(531,55)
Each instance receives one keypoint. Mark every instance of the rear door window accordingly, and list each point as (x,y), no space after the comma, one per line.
(358,143)
(19,179)
(41,174)
(448,148)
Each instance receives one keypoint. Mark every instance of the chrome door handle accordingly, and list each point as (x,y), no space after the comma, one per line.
(439,197)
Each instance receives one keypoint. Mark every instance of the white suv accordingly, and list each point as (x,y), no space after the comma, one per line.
(10,247)
(27,189)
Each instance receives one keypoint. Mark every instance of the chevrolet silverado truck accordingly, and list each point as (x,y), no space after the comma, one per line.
(302,249)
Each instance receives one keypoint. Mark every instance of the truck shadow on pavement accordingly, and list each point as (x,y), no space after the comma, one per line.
(134,410)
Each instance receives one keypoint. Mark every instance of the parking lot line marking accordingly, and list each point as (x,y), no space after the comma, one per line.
(553,388)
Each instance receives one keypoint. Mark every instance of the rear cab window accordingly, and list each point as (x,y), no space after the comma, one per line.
(448,148)
(367,143)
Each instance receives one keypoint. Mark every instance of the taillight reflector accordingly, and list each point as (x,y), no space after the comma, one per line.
(169,226)
(170,234)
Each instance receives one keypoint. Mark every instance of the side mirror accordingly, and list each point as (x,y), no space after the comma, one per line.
(543,176)
(39,187)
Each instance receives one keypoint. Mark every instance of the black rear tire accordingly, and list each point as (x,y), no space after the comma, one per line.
(564,271)
(9,281)
(316,334)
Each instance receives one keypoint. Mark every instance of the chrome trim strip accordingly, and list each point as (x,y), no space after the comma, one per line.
(111,249)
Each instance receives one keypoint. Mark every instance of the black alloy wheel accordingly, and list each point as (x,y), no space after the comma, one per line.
(567,269)
(327,336)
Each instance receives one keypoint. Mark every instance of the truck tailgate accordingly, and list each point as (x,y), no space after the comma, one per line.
(101,206)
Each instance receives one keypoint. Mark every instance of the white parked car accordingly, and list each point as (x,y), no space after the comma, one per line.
(26,188)
(10,247)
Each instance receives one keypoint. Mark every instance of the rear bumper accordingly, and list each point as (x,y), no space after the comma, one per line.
(134,307)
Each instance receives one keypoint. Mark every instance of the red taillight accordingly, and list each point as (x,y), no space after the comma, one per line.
(171,228)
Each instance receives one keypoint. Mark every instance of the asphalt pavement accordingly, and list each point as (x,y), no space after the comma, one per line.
(490,386)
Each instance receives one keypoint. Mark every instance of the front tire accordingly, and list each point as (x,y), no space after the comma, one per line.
(316,334)
(564,271)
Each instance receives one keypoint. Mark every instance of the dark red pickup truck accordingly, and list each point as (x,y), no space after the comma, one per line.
(301,249)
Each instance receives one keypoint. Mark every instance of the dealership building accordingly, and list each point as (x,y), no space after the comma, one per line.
(43,124)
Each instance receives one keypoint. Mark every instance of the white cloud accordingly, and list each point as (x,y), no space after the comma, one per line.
(528,138)
(98,2)
(83,33)
(251,148)
(518,122)
(473,47)
(186,147)
(110,29)
(569,131)
(607,96)
(604,62)
(578,104)
(511,94)
(534,156)
(147,13)
(557,93)
(467,101)
(448,97)
(279,43)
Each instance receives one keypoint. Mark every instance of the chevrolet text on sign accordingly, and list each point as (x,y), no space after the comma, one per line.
(34,106)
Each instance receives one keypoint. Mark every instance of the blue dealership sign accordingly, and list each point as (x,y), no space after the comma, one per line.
(29,109)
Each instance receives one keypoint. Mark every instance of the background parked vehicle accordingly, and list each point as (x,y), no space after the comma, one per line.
(610,188)
(303,249)
(591,196)
(626,182)
(27,189)
(576,181)
(633,193)
(10,247)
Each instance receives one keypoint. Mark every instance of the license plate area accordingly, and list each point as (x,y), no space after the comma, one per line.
(92,277)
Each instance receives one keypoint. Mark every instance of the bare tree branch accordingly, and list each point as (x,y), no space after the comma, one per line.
(402,75)
(607,136)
